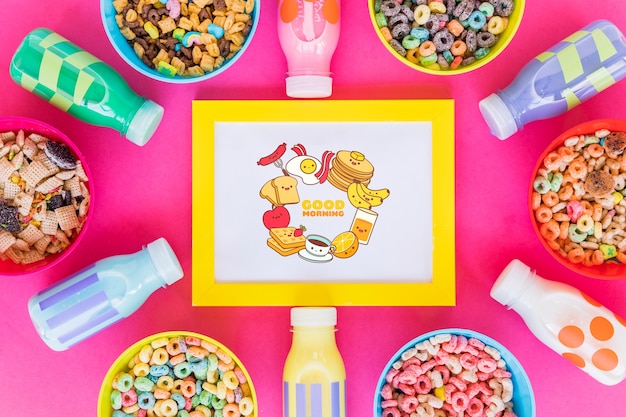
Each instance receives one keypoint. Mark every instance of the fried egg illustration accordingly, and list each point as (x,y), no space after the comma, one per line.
(304,167)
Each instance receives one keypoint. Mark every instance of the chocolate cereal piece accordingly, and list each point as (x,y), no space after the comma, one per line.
(432,24)
(219,5)
(504,8)
(9,219)
(471,41)
(390,8)
(397,46)
(463,10)
(486,39)
(443,40)
(60,154)
(599,183)
(397,19)
(400,30)
(406,11)
(615,143)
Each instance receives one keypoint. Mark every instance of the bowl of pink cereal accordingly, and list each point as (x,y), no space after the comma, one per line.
(446,37)
(177,373)
(178,41)
(452,372)
(45,195)
(576,199)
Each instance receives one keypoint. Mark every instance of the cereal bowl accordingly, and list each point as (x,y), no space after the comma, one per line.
(458,351)
(183,370)
(410,39)
(201,50)
(576,199)
(36,192)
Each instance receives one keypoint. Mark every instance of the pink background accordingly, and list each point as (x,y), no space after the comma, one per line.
(145,193)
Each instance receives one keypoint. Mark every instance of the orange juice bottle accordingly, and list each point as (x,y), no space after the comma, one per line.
(363,223)
(314,377)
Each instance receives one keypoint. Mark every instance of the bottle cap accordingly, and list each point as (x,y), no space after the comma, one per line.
(313,316)
(144,123)
(309,86)
(511,283)
(165,260)
(498,116)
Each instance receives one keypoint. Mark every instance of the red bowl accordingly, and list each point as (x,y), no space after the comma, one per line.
(8,267)
(610,269)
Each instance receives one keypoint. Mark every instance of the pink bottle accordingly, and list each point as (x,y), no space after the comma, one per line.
(308,31)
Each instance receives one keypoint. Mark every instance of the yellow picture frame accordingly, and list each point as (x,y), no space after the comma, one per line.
(207,291)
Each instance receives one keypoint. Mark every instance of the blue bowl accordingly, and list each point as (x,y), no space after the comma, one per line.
(523,397)
(125,50)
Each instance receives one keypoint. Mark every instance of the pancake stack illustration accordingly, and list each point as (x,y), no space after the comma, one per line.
(349,167)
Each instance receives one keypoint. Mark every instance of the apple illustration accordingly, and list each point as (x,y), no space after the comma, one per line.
(276,217)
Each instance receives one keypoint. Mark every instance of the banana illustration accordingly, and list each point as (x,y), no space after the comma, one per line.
(382,193)
(370,198)
(355,199)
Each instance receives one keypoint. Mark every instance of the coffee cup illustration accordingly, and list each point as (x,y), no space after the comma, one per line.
(319,246)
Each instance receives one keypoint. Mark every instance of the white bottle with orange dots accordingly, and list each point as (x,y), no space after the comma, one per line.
(314,377)
(566,320)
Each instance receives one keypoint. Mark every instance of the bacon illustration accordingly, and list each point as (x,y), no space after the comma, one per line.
(322,173)
(299,149)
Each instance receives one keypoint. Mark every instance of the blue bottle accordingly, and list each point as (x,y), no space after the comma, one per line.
(102,294)
(572,71)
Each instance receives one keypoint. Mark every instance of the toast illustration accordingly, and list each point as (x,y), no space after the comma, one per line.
(281,190)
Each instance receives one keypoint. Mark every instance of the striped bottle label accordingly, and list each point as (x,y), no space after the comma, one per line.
(60,78)
(71,311)
(314,400)
(583,77)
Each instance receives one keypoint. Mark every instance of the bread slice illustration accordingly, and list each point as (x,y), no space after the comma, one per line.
(268,192)
(281,190)
(286,190)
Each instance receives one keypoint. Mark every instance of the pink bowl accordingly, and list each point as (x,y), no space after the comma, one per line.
(8,267)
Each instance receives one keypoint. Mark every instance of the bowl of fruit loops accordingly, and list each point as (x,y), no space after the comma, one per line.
(446,37)
(454,372)
(45,195)
(177,373)
(576,199)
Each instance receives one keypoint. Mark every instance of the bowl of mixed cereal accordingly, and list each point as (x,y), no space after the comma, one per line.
(451,372)
(178,41)
(166,373)
(446,37)
(45,195)
(576,198)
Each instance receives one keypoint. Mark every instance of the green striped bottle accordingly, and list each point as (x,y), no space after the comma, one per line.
(75,81)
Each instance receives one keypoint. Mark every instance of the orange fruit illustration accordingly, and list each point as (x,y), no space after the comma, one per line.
(346,244)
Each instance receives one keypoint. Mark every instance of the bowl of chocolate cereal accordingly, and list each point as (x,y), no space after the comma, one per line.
(451,372)
(576,198)
(446,37)
(177,373)
(45,196)
(178,41)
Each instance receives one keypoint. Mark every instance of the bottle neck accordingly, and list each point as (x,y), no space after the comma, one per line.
(313,335)
(154,279)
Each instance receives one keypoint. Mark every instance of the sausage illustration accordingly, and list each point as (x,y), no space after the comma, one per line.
(274,156)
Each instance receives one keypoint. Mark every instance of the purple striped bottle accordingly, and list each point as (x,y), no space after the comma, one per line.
(314,377)
(102,294)
(559,79)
